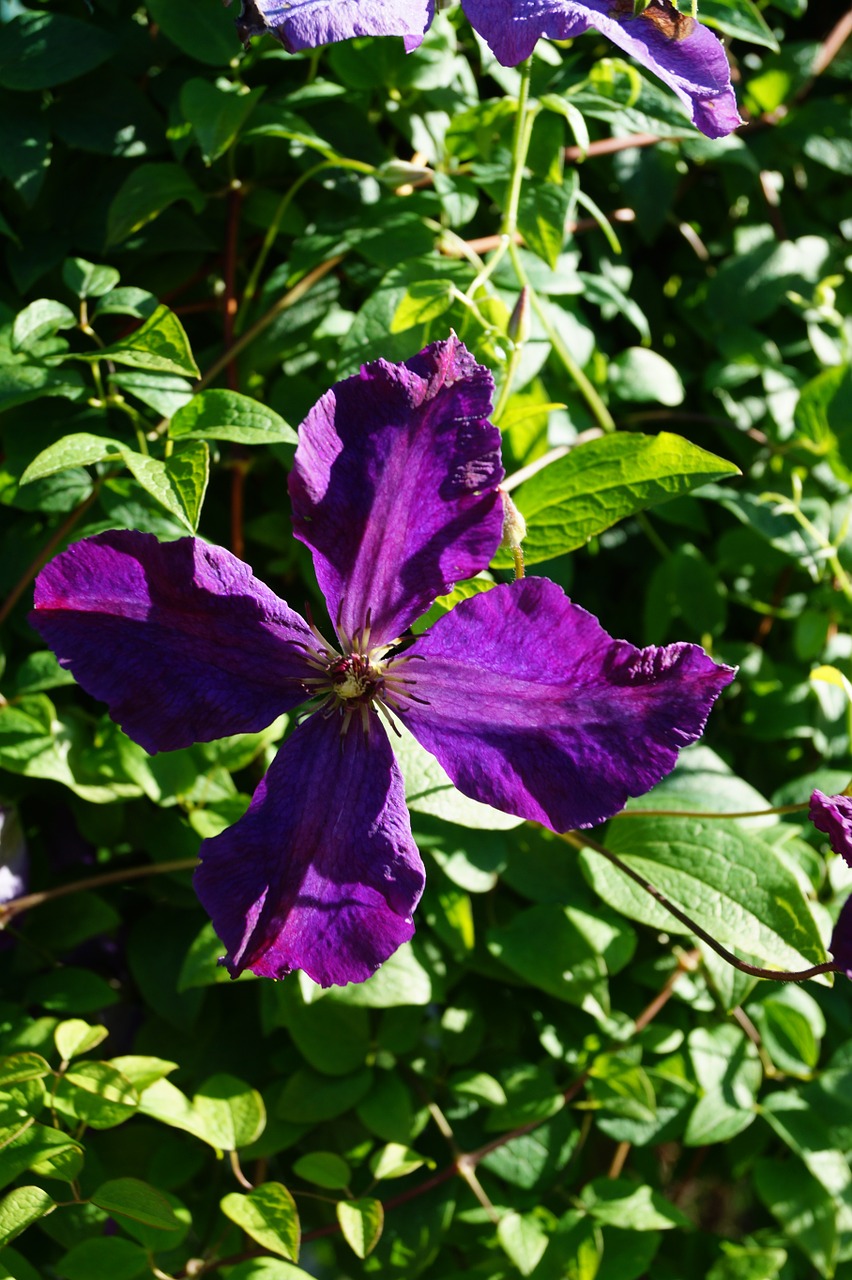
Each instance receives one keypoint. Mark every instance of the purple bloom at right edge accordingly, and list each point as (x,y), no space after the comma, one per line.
(521,695)
(833,816)
(685,55)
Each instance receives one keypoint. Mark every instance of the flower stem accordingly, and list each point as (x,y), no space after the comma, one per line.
(598,409)
(9,910)
(580,841)
(524,118)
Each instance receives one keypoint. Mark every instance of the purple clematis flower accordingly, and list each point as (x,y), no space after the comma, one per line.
(833,816)
(521,695)
(685,55)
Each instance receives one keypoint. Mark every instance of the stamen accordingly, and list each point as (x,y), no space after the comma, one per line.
(383,710)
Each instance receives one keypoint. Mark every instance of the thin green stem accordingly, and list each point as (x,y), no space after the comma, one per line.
(524,117)
(773,975)
(278,217)
(598,409)
(506,388)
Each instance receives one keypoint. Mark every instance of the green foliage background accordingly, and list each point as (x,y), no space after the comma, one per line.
(554,1079)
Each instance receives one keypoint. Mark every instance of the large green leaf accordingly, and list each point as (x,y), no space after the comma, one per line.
(599,483)
(267,1214)
(227,415)
(730,882)
(143,196)
(159,344)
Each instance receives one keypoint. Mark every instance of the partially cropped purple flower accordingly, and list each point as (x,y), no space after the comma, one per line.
(14,858)
(840,947)
(685,55)
(833,816)
(521,695)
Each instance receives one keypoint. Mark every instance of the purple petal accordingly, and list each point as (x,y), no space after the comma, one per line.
(393,487)
(686,56)
(833,816)
(534,709)
(840,947)
(304,24)
(321,873)
(180,639)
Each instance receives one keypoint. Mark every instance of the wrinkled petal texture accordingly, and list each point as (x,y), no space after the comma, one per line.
(833,816)
(840,947)
(393,487)
(535,710)
(321,873)
(304,24)
(685,55)
(179,639)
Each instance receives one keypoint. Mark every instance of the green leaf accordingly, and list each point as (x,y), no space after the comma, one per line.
(179,483)
(21,383)
(134,1199)
(308,1098)
(216,112)
(40,50)
(423,300)
(227,415)
(822,417)
(804,1209)
(23,1066)
(396,1161)
(109,1258)
(603,481)
(361,1222)
(88,280)
(142,1071)
(643,376)
(47,1151)
(268,1214)
(97,1093)
(429,790)
(20,1209)
(159,344)
(616,1202)
(144,194)
(231,1113)
(792,1119)
(200,28)
(542,214)
(39,320)
(545,946)
(75,1037)
(747,1262)
(524,1240)
(80,449)
(729,881)
(741,19)
(267,1269)
(324,1169)
(401,980)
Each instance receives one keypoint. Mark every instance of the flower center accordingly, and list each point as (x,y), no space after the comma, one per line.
(360,680)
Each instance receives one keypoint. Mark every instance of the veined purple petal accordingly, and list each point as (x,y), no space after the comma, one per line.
(321,873)
(180,639)
(840,947)
(833,816)
(394,487)
(535,710)
(304,24)
(685,55)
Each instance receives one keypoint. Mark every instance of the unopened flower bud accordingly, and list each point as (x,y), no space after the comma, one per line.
(519,320)
(514,524)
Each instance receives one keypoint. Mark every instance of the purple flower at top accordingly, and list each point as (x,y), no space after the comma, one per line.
(521,695)
(685,55)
